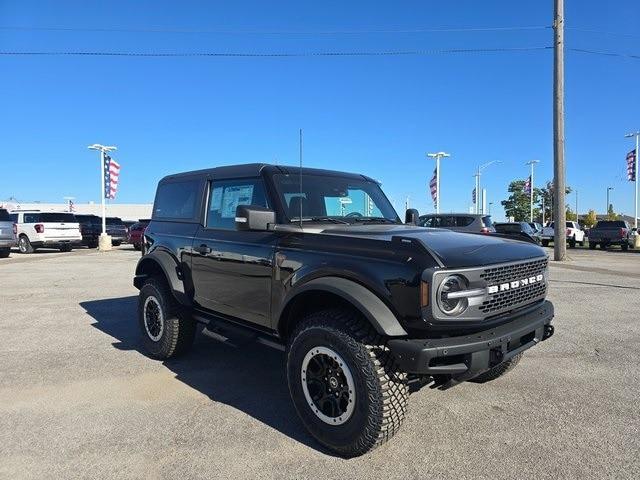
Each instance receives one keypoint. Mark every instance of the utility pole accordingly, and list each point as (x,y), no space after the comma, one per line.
(438,156)
(559,211)
(635,189)
(543,213)
(577,217)
(531,163)
(105,240)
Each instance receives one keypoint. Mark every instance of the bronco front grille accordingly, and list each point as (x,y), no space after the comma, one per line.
(512,298)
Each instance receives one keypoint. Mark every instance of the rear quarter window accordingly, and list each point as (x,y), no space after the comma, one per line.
(464,221)
(4,215)
(177,200)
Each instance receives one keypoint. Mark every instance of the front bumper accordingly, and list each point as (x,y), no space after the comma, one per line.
(467,356)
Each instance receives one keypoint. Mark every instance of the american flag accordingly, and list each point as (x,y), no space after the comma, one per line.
(433,185)
(527,185)
(111,174)
(631,165)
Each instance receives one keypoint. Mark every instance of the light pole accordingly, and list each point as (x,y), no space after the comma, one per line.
(577,217)
(103,236)
(477,175)
(608,190)
(438,156)
(490,203)
(635,190)
(531,163)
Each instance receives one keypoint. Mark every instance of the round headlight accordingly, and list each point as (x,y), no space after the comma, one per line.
(448,305)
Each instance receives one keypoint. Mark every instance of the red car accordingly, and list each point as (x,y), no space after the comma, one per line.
(135,233)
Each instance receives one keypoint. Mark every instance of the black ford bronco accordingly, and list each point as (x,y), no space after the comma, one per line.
(318,264)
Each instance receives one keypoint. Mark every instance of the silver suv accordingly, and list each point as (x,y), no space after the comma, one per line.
(458,222)
(7,233)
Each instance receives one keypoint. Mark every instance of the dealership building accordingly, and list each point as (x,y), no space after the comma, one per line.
(126,211)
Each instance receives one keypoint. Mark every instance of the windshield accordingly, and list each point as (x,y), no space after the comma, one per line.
(327,198)
(113,221)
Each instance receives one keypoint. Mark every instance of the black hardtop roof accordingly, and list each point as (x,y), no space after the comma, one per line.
(256,169)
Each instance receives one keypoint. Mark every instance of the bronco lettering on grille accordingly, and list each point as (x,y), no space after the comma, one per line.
(515,284)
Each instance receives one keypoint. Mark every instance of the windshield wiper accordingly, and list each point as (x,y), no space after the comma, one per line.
(319,219)
(375,219)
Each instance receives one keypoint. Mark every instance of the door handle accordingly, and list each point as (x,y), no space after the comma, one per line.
(202,249)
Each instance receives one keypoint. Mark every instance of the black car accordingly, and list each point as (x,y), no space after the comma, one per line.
(318,264)
(521,230)
(90,228)
(117,230)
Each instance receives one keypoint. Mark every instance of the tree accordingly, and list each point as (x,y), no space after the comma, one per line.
(611,215)
(590,219)
(571,215)
(517,205)
(546,194)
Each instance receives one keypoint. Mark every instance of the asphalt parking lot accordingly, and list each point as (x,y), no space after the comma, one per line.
(78,398)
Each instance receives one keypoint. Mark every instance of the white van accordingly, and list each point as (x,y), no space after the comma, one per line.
(35,229)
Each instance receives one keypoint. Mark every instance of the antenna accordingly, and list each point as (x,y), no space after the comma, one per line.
(301,195)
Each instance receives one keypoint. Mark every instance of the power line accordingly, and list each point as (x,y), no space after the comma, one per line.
(604,53)
(275,32)
(601,32)
(380,53)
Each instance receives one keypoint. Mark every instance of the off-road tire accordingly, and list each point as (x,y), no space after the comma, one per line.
(179,328)
(381,391)
(498,370)
(24,245)
(5,252)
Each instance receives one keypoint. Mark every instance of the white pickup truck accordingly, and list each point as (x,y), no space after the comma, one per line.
(575,234)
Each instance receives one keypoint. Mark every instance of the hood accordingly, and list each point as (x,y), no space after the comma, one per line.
(451,249)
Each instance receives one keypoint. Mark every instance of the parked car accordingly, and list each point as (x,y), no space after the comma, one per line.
(7,233)
(364,305)
(632,237)
(90,228)
(537,227)
(35,229)
(610,232)
(521,230)
(458,222)
(575,234)
(117,230)
(136,231)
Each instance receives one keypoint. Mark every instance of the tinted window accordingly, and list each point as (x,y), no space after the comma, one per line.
(31,218)
(14,217)
(88,219)
(177,200)
(464,221)
(487,222)
(56,217)
(508,227)
(4,215)
(226,195)
(611,224)
(114,221)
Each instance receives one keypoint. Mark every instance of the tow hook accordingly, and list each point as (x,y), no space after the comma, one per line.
(548,331)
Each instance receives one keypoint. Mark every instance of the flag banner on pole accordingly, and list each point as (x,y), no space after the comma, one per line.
(474,197)
(433,185)
(72,207)
(111,176)
(631,165)
(527,185)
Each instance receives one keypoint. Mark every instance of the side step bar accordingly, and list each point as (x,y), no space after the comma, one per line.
(234,335)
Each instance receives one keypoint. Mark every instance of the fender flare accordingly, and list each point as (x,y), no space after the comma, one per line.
(171,269)
(367,302)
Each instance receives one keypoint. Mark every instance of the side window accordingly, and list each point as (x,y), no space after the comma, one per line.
(447,222)
(177,200)
(226,195)
(14,217)
(31,218)
(464,221)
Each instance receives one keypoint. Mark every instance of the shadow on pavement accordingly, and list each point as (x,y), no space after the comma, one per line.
(250,378)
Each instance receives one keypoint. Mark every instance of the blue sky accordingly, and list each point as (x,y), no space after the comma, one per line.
(376,115)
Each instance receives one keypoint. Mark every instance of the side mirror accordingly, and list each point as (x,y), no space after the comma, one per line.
(254,217)
(411,216)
